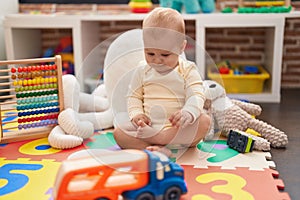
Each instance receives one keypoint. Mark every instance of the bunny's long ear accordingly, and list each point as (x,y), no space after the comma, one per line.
(70,122)
(71,90)
(92,103)
(60,140)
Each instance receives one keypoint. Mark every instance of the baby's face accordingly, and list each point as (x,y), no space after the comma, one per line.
(161,60)
(162,47)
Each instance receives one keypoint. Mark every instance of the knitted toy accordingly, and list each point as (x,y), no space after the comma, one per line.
(190,6)
(229,114)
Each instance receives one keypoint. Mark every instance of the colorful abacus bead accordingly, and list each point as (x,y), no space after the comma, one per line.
(13,70)
(20,69)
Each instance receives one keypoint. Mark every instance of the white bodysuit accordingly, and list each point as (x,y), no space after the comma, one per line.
(160,95)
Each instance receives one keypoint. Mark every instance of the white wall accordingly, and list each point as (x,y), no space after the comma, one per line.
(6,7)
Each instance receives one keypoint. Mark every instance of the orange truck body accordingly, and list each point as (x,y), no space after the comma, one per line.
(103,176)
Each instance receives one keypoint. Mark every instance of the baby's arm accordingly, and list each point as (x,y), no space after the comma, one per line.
(195,97)
(135,96)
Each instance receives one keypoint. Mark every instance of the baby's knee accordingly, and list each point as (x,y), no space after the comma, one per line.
(120,138)
(117,132)
(205,121)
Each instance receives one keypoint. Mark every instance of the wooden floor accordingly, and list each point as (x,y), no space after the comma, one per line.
(286,117)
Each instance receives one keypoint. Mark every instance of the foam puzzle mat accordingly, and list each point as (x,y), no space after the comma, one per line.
(212,170)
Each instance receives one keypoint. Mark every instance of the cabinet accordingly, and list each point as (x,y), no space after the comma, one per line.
(274,29)
(23,36)
(23,40)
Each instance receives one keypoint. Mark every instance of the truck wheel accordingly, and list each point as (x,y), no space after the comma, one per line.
(145,196)
(173,193)
(101,198)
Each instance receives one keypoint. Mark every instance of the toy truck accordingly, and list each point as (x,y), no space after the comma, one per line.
(134,174)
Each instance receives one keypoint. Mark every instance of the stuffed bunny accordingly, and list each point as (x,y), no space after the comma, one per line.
(229,114)
(83,114)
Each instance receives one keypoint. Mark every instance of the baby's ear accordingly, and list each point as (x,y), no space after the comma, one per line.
(183,46)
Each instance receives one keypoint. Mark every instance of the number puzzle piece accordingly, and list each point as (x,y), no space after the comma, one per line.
(15,181)
(227,184)
(103,140)
(219,148)
(25,179)
(36,149)
(217,153)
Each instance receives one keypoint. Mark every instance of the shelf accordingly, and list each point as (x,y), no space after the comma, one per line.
(23,40)
(274,27)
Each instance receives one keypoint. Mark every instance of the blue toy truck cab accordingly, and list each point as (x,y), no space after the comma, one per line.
(166,180)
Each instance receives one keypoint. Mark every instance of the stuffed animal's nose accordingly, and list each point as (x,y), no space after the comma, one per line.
(212,86)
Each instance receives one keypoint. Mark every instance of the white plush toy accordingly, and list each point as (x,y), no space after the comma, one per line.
(229,114)
(84,113)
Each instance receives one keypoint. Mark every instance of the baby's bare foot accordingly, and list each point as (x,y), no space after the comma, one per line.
(161,149)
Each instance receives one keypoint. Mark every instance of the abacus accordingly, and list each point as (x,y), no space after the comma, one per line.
(33,97)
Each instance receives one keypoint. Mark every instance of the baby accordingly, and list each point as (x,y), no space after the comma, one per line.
(165,97)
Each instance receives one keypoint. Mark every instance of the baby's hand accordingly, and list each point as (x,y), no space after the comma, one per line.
(141,119)
(181,118)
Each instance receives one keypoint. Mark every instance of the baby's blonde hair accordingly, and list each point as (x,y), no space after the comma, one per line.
(165,18)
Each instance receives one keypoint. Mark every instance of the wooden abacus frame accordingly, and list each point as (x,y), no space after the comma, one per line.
(254,3)
(13,135)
